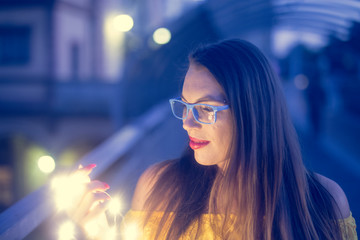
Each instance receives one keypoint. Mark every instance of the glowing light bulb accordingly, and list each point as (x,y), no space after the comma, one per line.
(123,23)
(68,189)
(161,36)
(67,231)
(46,164)
(92,229)
(114,206)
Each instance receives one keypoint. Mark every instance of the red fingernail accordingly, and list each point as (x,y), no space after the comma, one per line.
(106,185)
(90,166)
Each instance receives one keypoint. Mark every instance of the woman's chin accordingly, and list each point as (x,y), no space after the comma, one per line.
(203,160)
(208,161)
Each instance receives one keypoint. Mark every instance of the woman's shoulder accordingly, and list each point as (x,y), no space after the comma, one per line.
(145,184)
(337,193)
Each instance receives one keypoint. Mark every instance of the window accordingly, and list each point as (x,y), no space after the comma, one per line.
(14,45)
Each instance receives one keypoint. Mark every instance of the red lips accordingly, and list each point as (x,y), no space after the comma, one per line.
(197,143)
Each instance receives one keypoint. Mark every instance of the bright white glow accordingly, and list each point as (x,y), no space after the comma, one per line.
(46,164)
(92,229)
(312,40)
(111,234)
(131,232)
(283,40)
(123,23)
(68,189)
(115,206)
(301,82)
(113,48)
(67,231)
(162,36)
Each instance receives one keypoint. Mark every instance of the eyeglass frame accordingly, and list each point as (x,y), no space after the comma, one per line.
(190,106)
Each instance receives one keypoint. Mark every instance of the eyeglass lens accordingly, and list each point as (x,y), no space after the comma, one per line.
(201,113)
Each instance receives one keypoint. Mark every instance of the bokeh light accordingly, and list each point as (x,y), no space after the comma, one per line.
(67,231)
(123,23)
(46,164)
(68,189)
(33,176)
(301,82)
(162,36)
(92,229)
(114,206)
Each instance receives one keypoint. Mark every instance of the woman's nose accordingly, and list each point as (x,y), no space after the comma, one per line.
(190,122)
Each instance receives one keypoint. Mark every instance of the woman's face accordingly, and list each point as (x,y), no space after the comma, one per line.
(210,142)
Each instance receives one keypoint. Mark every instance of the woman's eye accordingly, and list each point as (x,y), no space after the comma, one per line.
(207,109)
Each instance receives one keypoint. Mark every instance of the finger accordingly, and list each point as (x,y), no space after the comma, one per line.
(99,198)
(90,202)
(96,185)
(93,187)
(86,200)
(87,169)
(97,209)
(96,225)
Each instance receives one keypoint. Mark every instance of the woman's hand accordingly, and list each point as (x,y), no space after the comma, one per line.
(87,201)
(91,203)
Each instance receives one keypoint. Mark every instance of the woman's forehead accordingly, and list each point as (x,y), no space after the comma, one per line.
(200,83)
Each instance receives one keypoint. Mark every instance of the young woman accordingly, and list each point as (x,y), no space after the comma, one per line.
(243,175)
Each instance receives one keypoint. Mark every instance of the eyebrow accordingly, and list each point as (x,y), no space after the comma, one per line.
(206,98)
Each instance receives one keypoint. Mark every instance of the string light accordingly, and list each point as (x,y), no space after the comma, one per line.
(67,189)
(67,231)
(92,229)
(115,206)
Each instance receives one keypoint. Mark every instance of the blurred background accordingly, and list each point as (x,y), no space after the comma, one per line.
(74,73)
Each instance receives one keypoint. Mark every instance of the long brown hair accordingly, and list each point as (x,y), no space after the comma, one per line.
(264,184)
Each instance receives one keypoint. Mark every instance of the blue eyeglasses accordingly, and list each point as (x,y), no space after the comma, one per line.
(203,113)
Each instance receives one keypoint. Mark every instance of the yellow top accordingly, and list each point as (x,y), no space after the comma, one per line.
(132,227)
